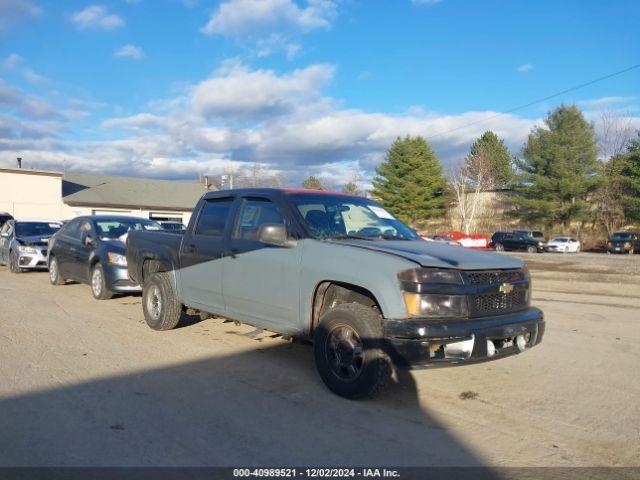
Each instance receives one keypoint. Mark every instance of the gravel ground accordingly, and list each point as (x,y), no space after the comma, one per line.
(87,383)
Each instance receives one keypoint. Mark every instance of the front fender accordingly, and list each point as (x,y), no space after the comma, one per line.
(376,272)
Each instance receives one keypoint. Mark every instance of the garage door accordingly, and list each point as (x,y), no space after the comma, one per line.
(115,212)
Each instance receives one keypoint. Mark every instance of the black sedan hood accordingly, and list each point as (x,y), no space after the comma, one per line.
(34,240)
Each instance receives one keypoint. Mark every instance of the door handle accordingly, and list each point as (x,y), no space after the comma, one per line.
(191,248)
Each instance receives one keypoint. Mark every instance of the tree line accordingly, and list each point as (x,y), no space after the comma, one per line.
(563,176)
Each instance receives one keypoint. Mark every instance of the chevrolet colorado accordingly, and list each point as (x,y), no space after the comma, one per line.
(340,271)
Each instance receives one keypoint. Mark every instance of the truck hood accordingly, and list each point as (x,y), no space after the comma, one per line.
(438,254)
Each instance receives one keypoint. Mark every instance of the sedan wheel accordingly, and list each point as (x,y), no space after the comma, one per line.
(13,264)
(54,272)
(98,284)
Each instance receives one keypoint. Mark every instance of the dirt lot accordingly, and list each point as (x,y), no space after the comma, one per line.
(87,383)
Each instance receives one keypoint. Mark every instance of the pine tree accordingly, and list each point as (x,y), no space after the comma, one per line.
(629,180)
(491,151)
(313,183)
(410,182)
(558,170)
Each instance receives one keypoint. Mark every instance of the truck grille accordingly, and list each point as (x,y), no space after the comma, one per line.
(489,300)
(489,303)
(495,276)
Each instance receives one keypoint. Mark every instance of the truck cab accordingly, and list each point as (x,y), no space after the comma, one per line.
(340,271)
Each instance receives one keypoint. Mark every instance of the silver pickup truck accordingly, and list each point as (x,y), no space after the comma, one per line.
(342,272)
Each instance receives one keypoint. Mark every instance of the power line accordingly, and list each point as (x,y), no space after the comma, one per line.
(540,100)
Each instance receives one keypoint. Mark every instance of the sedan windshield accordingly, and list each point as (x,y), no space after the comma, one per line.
(560,240)
(111,229)
(34,229)
(621,236)
(337,216)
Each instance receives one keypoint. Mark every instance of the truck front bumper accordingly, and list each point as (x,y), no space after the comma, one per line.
(422,343)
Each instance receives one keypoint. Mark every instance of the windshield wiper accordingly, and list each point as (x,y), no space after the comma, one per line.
(349,237)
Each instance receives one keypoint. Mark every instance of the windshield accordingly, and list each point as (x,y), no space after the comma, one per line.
(621,236)
(110,229)
(560,240)
(337,216)
(34,229)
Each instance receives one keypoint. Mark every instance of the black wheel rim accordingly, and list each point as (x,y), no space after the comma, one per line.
(345,353)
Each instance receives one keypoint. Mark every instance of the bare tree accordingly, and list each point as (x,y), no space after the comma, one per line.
(470,180)
(253,176)
(615,132)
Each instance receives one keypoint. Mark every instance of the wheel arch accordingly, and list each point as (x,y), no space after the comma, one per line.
(329,293)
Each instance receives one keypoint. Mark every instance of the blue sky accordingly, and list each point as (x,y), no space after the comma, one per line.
(173,88)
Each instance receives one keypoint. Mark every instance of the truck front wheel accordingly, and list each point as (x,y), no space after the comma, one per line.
(348,354)
(160,305)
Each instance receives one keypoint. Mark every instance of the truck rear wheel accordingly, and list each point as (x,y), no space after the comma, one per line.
(348,354)
(160,305)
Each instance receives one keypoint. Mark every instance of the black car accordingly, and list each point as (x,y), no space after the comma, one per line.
(91,250)
(535,234)
(624,242)
(5,217)
(502,241)
(173,226)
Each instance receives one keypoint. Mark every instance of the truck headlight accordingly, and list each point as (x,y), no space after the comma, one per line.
(435,305)
(423,295)
(117,259)
(24,249)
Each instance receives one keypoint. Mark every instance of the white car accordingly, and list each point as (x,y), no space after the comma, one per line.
(563,245)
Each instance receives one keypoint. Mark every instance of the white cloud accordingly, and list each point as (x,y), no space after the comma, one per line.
(129,51)
(250,17)
(239,116)
(15,11)
(11,62)
(96,16)
(425,2)
(527,67)
(236,91)
(606,102)
(34,78)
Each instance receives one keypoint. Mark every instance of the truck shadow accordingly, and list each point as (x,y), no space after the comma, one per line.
(265,406)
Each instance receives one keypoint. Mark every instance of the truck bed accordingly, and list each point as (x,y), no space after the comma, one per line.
(144,245)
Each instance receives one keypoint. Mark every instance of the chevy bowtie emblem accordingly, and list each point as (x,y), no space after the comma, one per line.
(506,288)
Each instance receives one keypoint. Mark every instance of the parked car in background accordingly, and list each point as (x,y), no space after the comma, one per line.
(5,217)
(624,242)
(563,245)
(508,241)
(445,239)
(91,250)
(23,245)
(173,226)
(298,263)
(535,234)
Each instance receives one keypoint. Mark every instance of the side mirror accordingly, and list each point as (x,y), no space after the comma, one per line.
(87,239)
(274,234)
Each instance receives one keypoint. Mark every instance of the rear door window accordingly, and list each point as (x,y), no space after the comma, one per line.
(213,217)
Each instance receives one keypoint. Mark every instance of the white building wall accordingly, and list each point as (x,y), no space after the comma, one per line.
(29,195)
